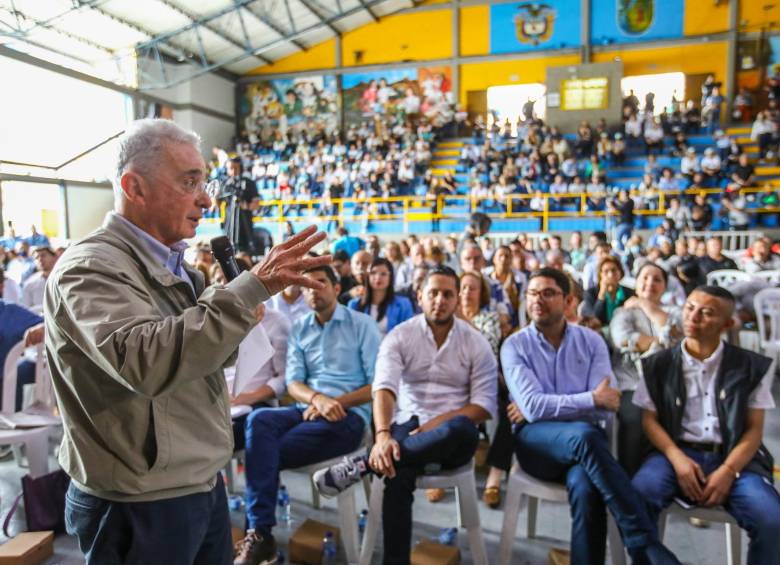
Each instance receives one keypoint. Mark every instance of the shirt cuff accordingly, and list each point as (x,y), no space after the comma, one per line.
(249,289)
(583,400)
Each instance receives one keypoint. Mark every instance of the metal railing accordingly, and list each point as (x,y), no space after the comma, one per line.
(406,209)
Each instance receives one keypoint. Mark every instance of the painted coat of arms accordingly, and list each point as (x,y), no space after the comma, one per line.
(534,23)
(635,16)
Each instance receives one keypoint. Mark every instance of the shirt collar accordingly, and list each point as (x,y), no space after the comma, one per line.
(709,362)
(540,336)
(168,257)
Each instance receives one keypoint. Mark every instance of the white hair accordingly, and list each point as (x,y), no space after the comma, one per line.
(140,147)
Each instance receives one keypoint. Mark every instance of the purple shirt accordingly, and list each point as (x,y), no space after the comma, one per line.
(556,385)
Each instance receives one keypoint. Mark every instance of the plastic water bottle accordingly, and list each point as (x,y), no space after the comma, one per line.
(283,506)
(328,549)
(362,522)
(448,536)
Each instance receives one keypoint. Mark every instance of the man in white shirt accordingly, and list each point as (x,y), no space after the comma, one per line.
(436,380)
(763,259)
(268,382)
(9,290)
(703,405)
(32,291)
(290,303)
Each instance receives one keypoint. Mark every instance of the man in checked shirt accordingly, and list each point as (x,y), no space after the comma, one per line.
(435,381)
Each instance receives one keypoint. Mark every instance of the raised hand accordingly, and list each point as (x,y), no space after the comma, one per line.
(285,264)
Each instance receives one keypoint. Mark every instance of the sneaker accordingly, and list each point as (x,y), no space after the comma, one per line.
(339,477)
(255,550)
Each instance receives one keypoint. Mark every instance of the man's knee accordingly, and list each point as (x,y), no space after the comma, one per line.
(264,421)
(585,437)
(464,429)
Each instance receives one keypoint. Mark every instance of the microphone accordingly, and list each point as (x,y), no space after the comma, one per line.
(223,252)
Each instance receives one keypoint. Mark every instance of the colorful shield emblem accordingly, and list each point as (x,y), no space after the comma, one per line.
(635,16)
(534,23)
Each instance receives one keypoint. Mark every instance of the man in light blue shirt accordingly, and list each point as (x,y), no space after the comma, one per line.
(559,376)
(331,355)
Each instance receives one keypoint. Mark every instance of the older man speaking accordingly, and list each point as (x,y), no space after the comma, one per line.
(136,347)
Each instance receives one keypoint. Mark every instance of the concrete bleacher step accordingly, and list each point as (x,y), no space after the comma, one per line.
(767,171)
(743,140)
(444,162)
(446,152)
(450,144)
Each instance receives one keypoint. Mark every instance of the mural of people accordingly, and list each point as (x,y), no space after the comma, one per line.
(290,106)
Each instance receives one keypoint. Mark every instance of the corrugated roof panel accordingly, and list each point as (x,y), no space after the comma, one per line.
(202,7)
(99,29)
(148,15)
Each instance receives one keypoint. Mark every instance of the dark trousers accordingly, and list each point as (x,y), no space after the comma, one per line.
(502,447)
(187,530)
(753,501)
(279,438)
(632,443)
(448,446)
(577,454)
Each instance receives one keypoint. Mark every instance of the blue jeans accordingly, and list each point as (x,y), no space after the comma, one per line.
(448,446)
(577,454)
(187,530)
(623,235)
(279,438)
(753,501)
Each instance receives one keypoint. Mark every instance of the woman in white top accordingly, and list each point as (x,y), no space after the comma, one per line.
(642,326)
(762,133)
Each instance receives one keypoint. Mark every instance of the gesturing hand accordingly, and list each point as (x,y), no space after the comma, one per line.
(285,264)
(604,396)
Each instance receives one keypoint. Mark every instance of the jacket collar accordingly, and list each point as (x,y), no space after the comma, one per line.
(152,254)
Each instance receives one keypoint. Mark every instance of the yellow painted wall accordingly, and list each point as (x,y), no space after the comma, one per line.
(752,15)
(320,56)
(475,30)
(703,16)
(689,59)
(479,76)
(405,37)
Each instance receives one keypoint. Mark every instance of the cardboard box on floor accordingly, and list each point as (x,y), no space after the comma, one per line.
(431,553)
(305,544)
(28,548)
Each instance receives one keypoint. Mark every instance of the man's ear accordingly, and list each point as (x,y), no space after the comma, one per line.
(133,186)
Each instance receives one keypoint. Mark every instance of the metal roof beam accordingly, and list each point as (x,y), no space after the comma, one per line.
(214,29)
(268,22)
(327,22)
(369,10)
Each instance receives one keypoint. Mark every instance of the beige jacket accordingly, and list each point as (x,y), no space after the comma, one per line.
(136,362)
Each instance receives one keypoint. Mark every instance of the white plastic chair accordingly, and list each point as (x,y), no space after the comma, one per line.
(462,479)
(715,515)
(772,277)
(35,440)
(727,277)
(767,305)
(522,487)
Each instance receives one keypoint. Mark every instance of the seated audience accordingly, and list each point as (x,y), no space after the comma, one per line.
(703,404)
(291,303)
(435,382)
(763,259)
(601,301)
(331,355)
(642,326)
(714,260)
(559,376)
(380,301)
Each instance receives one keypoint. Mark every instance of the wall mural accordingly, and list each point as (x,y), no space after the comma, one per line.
(401,93)
(290,106)
(526,26)
(627,21)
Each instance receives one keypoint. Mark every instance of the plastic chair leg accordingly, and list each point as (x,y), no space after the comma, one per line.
(466,493)
(348,525)
(374,520)
(733,544)
(616,550)
(37,449)
(509,528)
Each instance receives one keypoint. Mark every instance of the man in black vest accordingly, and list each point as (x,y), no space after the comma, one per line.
(703,407)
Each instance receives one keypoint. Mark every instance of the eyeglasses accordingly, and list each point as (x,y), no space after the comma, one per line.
(546,294)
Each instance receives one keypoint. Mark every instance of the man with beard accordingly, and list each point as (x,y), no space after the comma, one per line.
(436,381)
(559,376)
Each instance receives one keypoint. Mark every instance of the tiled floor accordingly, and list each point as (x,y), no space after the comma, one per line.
(691,545)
